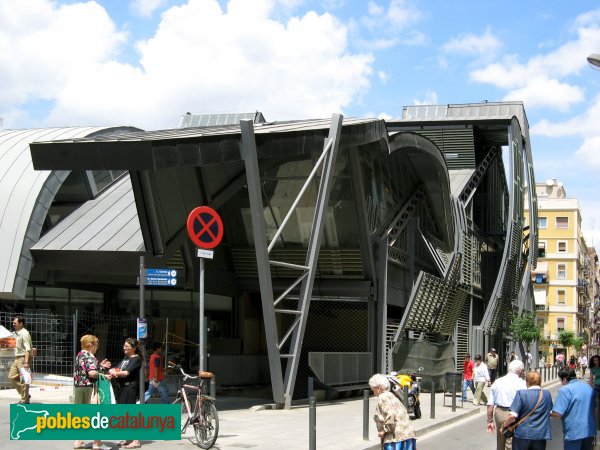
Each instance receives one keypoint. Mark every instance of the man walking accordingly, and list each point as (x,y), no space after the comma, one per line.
(583,363)
(22,358)
(491,361)
(502,394)
(468,366)
(156,376)
(480,377)
(533,404)
(575,406)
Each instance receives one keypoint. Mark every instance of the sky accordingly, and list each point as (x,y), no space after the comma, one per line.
(144,63)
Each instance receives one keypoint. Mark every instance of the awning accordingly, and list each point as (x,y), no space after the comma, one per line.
(541,269)
(539,295)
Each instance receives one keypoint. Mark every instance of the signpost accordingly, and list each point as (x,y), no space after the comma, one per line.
(161,277)
(205,229)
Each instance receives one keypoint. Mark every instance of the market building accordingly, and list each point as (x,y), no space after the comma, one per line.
(350,246)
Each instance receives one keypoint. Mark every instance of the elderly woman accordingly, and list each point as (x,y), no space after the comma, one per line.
(86,372)
(126,376)
(391,417)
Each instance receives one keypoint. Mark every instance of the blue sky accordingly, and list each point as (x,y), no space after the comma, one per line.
(145,62)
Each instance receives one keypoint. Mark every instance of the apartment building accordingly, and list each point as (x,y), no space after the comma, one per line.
(561,278)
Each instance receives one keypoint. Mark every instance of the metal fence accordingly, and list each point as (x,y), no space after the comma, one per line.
(57,340)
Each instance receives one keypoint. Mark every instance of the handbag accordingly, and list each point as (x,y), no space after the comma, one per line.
(509,431)
(102,393)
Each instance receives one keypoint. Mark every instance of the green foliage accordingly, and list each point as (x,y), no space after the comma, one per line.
(524,328)
(578,343)
(566,338)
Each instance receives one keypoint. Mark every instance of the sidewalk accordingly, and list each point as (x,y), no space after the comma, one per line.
(248,423)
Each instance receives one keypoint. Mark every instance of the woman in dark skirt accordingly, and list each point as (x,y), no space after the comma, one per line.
(126,377)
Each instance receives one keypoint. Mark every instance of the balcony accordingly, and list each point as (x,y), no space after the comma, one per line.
(539,275)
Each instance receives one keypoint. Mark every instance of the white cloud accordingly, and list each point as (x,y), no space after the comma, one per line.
(375,9)
(540,79)
(200,59)
(145,8)
(431,98)
(402,13)
(535,94)
(383,76)
(470,44)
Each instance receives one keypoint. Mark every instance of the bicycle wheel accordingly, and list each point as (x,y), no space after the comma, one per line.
(207,428)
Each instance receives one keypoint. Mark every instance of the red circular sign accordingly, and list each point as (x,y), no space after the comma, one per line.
(205,227)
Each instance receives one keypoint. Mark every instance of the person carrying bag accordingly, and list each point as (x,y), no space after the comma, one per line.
(533,429)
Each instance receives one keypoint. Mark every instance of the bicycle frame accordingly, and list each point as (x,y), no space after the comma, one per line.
(204,421)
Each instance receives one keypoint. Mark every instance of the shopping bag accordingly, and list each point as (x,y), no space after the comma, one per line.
(106,395)
(25,375)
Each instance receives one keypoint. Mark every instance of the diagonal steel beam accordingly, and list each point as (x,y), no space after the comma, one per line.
(325,185)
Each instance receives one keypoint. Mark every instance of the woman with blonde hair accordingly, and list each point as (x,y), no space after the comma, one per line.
(85,375)
(391,417)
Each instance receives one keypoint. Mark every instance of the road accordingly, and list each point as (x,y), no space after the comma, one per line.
(472,434)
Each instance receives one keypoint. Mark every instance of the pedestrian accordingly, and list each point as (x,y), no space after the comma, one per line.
(391,418)
(595,383)
(560,360)
(491,360)
(85,375)
(156,381)
(513,356)
(468,366)
(127,376)
(502,394)
(572,363)
(481,377)
(529,359)
(583,363)
(575,406)
(22,359)
(542,362)
(532,407)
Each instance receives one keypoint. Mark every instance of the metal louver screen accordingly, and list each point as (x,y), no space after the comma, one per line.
(457,145)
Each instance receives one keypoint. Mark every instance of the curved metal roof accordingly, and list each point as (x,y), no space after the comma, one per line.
(25,197)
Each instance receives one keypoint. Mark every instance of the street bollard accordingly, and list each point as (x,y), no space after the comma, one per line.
(432,414)
(312,423)
(366,393)
(213,387)
(406,397)
(453,394)
(311,386)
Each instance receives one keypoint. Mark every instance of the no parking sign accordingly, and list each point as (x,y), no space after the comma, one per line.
(205,227)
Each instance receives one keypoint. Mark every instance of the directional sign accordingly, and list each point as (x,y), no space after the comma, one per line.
(205,227)
(161,277)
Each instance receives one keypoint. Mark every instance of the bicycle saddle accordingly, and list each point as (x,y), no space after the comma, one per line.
(205,375)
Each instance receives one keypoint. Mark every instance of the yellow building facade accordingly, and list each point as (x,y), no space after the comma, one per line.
(559,280)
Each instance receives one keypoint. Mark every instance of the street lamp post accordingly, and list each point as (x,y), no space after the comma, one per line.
(594,60)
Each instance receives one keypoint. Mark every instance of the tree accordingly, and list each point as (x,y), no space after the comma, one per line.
(566,338)
(524,328)
(578,343)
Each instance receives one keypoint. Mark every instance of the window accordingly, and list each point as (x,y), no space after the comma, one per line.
(561,271)
(542,222)
(560,324)
(541,250)
(562,247)
(562,223)
(561,296)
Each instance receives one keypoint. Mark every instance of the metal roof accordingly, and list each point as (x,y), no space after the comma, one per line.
(180,147)
(25,196)
(211,120)
(106,223)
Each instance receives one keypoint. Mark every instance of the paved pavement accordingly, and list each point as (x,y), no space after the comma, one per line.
(247,423)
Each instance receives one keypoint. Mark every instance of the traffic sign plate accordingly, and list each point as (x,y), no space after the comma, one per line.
(205,227)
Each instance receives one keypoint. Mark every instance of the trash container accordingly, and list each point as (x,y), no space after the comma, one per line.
(457,377)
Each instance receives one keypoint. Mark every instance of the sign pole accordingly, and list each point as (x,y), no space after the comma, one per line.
(142,313)
(201,355)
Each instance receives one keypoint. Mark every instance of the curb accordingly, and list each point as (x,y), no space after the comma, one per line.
(448,421)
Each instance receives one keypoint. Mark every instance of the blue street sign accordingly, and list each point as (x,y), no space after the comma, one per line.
(161,277)
(168,273)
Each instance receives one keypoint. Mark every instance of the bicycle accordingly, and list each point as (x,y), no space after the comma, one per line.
(202,415)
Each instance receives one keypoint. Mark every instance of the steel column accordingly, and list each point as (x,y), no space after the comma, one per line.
(248,151)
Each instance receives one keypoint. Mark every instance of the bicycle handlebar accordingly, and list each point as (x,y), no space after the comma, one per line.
(186,376)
